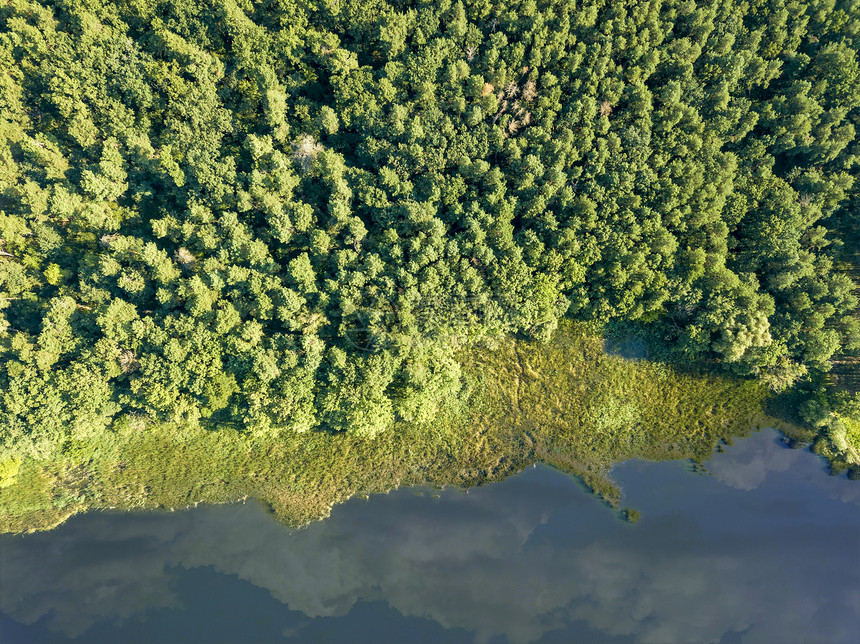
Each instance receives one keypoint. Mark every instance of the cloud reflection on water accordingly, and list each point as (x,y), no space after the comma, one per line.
(521,559)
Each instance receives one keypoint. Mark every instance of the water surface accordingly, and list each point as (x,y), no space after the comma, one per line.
(766,548)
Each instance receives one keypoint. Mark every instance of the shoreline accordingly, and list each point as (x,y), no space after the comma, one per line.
(567,403)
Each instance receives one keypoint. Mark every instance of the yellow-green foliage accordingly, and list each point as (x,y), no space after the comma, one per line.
(852,440)
(9,467)
(853,432)
(581,409)
(566,403)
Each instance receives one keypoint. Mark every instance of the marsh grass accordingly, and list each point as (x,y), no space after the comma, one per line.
(582,410)
(566,403)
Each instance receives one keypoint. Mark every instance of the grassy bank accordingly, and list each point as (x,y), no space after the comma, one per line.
(567,403)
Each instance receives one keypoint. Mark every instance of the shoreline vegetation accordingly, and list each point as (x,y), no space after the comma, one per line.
(301,250)
(567,403)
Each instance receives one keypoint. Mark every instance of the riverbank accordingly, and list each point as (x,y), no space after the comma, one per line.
(568,403)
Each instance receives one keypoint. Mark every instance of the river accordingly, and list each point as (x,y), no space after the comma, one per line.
(765,547)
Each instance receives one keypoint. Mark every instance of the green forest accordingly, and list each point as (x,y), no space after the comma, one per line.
(285,217)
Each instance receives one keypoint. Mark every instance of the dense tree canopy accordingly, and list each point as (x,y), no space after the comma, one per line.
(286,214)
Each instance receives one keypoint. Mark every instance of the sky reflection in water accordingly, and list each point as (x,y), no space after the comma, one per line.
(765,549)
